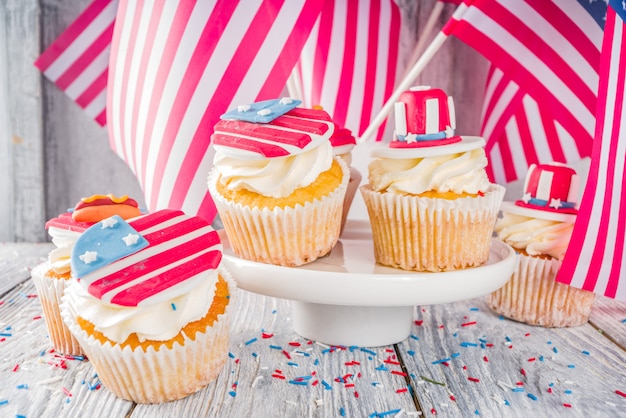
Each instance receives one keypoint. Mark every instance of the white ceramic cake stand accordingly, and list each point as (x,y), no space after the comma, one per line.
(346,298)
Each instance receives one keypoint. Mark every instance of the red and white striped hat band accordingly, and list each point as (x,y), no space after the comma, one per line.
(551,187)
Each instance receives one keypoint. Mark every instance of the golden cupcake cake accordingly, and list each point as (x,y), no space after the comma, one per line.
(150,304)
(278,188)
(51,277)
(539,227)
(430,204)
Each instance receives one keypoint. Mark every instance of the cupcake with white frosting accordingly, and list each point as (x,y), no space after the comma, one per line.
(277,186)
(343,143)
(150,305)
(539,227)
(429,201)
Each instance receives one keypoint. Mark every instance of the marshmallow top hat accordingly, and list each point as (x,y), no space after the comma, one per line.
(550,192)
(424,127)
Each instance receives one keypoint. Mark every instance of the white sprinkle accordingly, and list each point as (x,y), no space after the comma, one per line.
(255,381)
(319,402)
(610,404)
(50,380)
(322,344)
(504,386)
(243,108)
(264,112)
(399,414)
(291,402)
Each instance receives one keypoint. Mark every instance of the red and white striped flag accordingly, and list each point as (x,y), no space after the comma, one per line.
(176,67)
(78,60)
(550,52)
(596,256)
(520,131)
(348,66)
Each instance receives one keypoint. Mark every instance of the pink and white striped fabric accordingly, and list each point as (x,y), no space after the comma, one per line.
(520,131)
(78,60)
(176,67)
(348,66)
(596,256)
(549,52)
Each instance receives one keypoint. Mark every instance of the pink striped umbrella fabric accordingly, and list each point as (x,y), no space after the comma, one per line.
(348,65)
(597,254)
(176,67)
(78,60)
(520,131)
(549,50)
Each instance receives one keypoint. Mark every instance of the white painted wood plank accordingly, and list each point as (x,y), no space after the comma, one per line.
(16,261)
(579,360)
(609,316)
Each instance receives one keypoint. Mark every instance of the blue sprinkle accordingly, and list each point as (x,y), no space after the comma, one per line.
(231,355)
(501,318)
(342,412)
(375,383)
(506,337)
(22,386)
(276,347)
(67,400)
(291,363)
(368,351)
(250,341)
(476,412)
(43,353)
(415,337)
(555,350)
(624,321)
(326,350)
(507,403)
(305,377)
(571,366)
(443,360)
(5,334)
(411,352)
(585,352)
(173,306)
(551,384)
(20,416)
(517,389)
(382,414)
(474,309)
(326,385)
(274,311)
(232,393)
(316,362)
(531,396)
(483,345)
(352,348)
(381,367)
(4,402)
(454,355)
(468,344)
(299,382)
(569,392)
(540,358)
(456,334)
(482,340)
(549,342)
(254,354)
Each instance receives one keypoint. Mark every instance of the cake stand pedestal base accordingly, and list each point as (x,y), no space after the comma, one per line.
(363,326)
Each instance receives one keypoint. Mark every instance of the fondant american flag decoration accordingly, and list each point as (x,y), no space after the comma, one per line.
(552,187)
(132,263)
(292,133)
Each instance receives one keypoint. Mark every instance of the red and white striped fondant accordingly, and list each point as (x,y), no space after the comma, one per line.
(551,187)
(180,247)
(292,133)
(176,66)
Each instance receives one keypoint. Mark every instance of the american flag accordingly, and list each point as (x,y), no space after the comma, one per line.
(78,60)
(597,253)
(541,96)
(348,66)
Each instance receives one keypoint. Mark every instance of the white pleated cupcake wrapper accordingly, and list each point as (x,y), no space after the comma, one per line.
(164,375)
(283,236)
(534,297)
(432,234)
(50,291)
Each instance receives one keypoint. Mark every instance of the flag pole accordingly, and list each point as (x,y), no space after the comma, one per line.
(412,74)
(293,85)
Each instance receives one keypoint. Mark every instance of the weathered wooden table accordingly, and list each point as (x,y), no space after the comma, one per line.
(460,360)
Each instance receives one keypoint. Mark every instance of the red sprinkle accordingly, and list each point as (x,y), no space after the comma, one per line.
(294,344)
(523,372)
(620,393)
(266,335)
(532,359)
(67,392)
(445,363)
(527,334)
(399,373)
(356,394)
(433,411)
(567,405)
(486,359)
(315,382)
(441,326)
(402,390)
(349,385)
(352,363)
(467,324)
(287,354)
(17,366)
(278,376)
(473,379)
(388,361)
(36,317)
(452,398)
(520,383)
(419,322)
(549,390)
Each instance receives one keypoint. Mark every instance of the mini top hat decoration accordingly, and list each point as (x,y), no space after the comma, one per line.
(550,192)
(424,117)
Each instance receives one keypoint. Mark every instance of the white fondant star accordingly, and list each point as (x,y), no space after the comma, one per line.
(243,108)
(526,198)
(410,138)
(264,112)
(286,101)
(108,222)
(89,257)
(555,203)
(131,239)
(449,132)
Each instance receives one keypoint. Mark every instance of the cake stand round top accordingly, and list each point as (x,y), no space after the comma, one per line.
(349,276)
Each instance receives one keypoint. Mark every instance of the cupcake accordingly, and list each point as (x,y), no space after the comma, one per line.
(51,277)
(430,204)
(150,304)
(343,142)
(277,186)
(539,228)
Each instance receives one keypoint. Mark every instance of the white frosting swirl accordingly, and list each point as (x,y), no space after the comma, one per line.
(535,236)
(459,173)
(64,240)
(158,322)
(275,177)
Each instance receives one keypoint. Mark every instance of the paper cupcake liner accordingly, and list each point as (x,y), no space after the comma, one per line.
(432,234)
(50,290)
(283,236)
(534,297)
(159,376)
(353,186)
